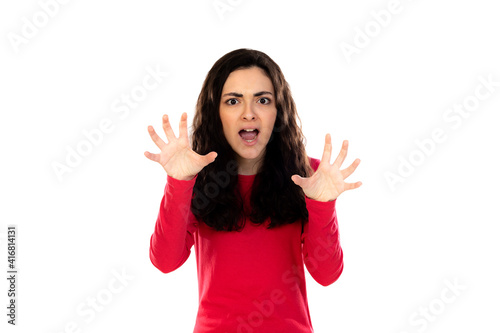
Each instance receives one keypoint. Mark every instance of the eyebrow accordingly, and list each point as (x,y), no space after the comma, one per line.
(260,93)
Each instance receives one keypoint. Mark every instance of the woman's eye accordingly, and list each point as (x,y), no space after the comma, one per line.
(264,100)
(231,101)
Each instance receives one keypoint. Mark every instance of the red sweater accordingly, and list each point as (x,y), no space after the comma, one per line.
(253,280)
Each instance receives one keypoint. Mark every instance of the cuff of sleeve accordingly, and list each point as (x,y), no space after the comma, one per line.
(180,187)
(321,206)
(321,213)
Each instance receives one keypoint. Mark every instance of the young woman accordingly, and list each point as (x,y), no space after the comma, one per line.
(253,204)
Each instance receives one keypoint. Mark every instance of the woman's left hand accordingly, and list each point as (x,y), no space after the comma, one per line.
(327,183)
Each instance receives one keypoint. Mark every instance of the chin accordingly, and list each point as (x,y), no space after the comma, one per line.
(249,155)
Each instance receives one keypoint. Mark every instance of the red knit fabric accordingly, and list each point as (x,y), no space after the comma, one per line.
(253,280)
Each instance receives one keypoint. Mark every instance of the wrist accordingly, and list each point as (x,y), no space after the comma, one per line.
(179,176)
(321,198)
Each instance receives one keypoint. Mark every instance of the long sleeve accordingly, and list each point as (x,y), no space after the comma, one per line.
(173,236)
(321,249)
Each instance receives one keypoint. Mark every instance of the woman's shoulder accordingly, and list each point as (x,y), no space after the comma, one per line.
(313,162)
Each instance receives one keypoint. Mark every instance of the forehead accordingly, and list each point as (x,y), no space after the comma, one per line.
(248,79)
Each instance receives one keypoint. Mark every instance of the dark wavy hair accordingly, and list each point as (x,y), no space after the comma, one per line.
(216,200)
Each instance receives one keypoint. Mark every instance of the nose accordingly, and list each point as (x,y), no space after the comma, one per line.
(248,112)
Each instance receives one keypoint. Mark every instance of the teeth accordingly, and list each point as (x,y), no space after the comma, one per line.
(249,130)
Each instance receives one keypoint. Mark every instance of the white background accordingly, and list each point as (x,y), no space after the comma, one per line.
(400,245)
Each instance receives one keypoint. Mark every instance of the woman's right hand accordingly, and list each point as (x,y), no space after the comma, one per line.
(176,157)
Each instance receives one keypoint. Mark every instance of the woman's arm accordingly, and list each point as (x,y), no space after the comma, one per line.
(173,236)
(321,249)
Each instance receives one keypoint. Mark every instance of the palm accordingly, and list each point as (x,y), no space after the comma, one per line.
(328,182)
(176,157)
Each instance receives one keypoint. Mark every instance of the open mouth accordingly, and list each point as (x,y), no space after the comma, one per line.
(249,134)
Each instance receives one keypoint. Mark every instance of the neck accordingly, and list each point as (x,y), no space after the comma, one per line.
(249,167)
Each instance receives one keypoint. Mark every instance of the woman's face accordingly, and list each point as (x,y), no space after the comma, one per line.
(248,112)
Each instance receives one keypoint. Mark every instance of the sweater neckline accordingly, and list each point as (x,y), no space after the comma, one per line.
(246,178)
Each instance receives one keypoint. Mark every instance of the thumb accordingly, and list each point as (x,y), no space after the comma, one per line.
(298,180)
(210,157)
